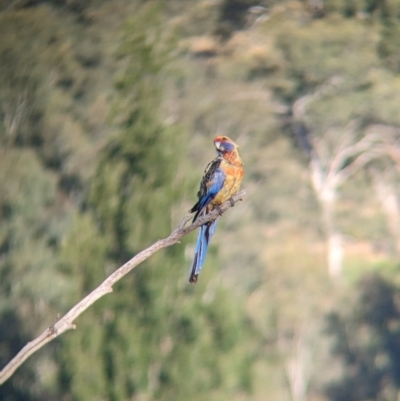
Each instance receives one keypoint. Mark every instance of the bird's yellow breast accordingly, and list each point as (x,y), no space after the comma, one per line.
(234,175)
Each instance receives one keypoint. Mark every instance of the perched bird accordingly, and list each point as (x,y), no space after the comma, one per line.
(221,180)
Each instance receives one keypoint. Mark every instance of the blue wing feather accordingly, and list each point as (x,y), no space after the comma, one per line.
(215,186)
(212,183)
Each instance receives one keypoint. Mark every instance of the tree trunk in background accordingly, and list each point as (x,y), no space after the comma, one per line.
(327,199)
(297,361)
(390,205)
(327,195)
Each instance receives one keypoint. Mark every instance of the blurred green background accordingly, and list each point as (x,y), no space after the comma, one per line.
(108,109)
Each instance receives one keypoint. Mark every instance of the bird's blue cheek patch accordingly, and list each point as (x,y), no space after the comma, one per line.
(228,147)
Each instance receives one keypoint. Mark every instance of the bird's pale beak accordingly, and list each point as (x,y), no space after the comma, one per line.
(218,145)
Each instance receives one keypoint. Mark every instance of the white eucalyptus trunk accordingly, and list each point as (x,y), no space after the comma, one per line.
(327,196)
(334,238)
(390,205)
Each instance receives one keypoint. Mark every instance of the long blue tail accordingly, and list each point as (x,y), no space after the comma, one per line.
(205,233)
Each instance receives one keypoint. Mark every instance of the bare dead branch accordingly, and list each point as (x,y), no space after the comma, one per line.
(362,146)
(359,162)
(14,115)
(66,322)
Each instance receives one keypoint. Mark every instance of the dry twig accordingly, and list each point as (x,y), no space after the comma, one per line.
(66,322)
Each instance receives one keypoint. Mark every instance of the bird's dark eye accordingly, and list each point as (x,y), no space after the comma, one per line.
(224,138)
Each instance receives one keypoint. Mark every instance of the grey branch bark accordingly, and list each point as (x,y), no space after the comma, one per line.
(67,321)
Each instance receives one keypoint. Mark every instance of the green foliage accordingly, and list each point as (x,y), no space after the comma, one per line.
(27,238)
(21,95)
(335,51)
(389,48)
(137,161)
(31,225)
(366,340)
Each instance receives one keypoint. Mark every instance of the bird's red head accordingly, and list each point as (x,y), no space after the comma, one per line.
(224,144)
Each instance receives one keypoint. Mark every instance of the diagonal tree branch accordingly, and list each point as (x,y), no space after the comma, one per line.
(66,322)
